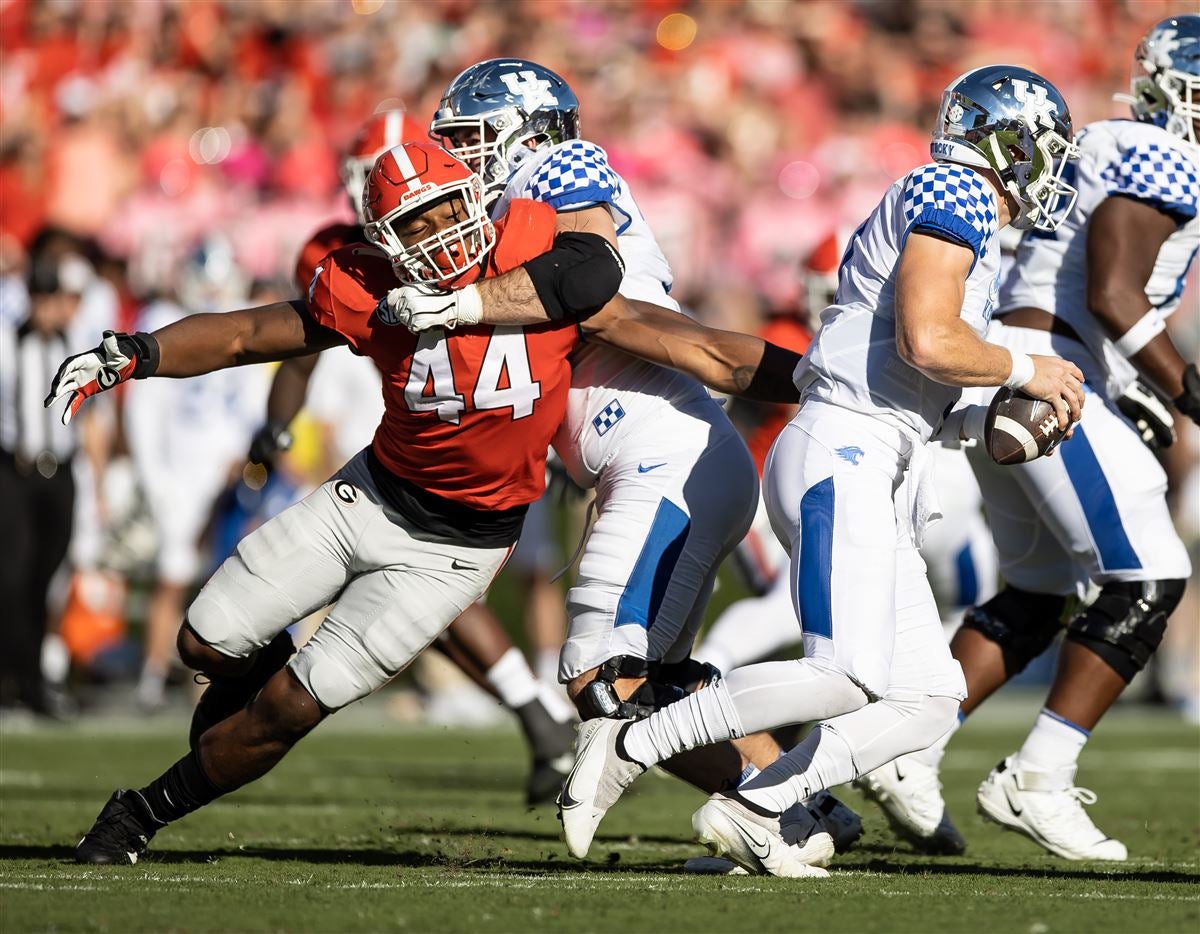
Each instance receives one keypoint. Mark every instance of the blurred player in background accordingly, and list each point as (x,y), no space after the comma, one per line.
(1098,291)
(187,438)
(346,395)
(848,482)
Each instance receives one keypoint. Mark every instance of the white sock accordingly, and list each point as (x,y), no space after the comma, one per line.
(822,760)
(546,665)
(848,746)
(700,719)
(1054,743)
(932,754)
(748,700)
(512,679)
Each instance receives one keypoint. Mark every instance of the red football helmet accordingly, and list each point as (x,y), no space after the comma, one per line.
(407,180)
(379,134)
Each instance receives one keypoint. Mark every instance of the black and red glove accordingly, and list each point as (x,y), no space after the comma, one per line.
(118,358)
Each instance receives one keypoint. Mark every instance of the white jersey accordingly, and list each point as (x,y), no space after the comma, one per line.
(610,390)
(1129,160)
(853,361)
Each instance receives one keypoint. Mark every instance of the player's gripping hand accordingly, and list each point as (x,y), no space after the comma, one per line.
(1057,381)
(269,442)
(118,358)
(421,307)
(1188,401)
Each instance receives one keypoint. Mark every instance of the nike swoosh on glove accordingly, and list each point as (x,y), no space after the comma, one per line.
(119,357)
(421,307)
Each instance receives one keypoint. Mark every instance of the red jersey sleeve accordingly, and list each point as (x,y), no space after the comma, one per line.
(346,289)
(525,231)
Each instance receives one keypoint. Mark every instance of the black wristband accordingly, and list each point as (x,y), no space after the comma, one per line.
(142,348)
(1188,401)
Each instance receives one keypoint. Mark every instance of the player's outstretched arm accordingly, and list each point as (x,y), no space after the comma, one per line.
(733,363)
(932,337)
(194,345)
(576,277)
(1122,248)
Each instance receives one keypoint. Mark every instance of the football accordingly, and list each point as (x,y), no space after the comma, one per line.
(1020,428)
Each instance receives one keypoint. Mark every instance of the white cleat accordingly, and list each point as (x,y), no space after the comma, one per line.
(1047,808)
(758,844)
(837,820)
(804,832)
(910,795)
(595,782)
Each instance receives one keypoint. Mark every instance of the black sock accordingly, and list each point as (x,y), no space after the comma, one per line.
(547,737)
(620,746)
(181,789)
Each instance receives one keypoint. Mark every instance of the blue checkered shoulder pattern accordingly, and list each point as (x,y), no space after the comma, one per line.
(1158,174)
(951,200)
(575,173)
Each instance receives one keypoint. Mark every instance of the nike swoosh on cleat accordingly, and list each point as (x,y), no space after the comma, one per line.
(760,848)
(642,468)
(1011,803)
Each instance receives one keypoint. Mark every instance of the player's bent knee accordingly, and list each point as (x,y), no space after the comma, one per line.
(198,655)
(1126,623)
(1022,623)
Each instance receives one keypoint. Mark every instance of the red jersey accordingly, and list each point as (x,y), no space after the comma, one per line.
(468,413)
(320,245)
(790,334)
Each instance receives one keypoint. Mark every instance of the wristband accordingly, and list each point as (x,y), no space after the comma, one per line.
(1022,370)
(146,353)
(1138,336)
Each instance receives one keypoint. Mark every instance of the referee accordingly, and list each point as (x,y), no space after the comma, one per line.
(37,490)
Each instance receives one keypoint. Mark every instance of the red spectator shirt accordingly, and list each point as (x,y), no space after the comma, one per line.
(469,413)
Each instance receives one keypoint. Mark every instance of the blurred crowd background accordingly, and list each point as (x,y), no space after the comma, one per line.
(186,149)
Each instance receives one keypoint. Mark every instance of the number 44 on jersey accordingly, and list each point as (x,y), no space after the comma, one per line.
(504,380)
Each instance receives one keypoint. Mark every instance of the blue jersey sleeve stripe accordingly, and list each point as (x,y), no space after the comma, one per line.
(948,224)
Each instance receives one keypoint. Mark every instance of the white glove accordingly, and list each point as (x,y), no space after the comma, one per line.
(420,307)
(96,370)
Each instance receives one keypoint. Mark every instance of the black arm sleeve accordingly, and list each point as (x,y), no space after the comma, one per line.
(577,277)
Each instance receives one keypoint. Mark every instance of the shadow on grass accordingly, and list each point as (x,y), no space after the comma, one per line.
(411,859)
(554,864)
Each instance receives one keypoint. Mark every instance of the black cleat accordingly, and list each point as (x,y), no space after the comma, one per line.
(553,747)
(226,696)
(121,832)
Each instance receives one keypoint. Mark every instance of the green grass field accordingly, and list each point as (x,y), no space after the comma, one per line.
(368,826)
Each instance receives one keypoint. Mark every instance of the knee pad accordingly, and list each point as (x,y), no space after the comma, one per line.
(1020,622)
(599,698)
(1127,622)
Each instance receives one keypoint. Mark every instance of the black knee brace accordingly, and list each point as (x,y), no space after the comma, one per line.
(665,684)
(1126,623)
(1021,622)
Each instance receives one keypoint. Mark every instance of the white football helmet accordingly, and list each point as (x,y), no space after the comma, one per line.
(1165,88)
